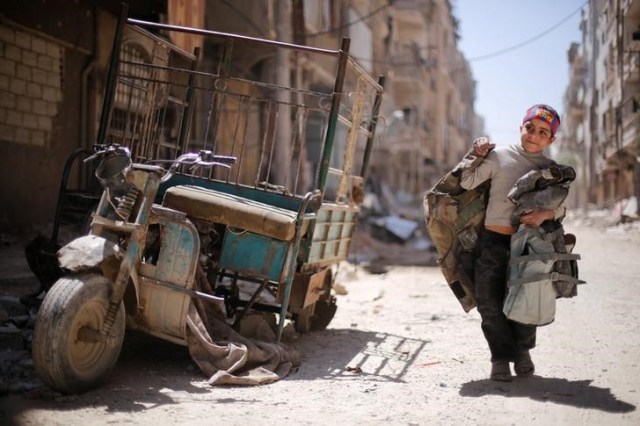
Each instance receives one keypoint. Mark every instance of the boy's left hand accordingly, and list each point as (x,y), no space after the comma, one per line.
(536,217)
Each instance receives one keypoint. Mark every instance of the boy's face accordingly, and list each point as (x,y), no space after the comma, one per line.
(536,136)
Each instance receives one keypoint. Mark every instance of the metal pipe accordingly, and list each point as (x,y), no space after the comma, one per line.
(333,116)
(187,116)
(109,92)
(188,291)
(372,127)
(232,36)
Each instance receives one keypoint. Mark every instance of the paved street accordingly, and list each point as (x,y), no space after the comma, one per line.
(400,352)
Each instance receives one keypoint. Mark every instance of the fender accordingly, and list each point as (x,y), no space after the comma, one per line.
(94,252)
(87,252)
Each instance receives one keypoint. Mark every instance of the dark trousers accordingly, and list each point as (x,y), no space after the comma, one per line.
(506,338)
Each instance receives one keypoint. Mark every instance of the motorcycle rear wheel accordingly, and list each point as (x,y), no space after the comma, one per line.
(317,317)
(66,355)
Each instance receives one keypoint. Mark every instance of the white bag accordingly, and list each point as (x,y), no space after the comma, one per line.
(531,295)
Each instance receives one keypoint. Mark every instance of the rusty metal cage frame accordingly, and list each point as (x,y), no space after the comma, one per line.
(166,104)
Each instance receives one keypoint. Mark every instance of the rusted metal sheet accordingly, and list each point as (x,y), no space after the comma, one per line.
(306,288)
(163,305)
(255,255)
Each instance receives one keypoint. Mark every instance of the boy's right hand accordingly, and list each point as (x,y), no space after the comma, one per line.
(482,146)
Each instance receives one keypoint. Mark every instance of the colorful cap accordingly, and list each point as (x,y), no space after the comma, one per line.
(544,113)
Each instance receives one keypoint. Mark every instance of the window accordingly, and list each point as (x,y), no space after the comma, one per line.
(321,15)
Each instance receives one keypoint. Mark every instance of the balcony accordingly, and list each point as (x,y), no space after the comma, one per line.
(575,101)
(611,80)
(407,60)
(631,67)
(630,126)
(632,11)
(425,7)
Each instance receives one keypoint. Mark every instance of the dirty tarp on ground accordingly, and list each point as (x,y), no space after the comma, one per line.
(229,358)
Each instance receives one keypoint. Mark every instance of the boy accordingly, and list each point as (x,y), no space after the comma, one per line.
(508,341)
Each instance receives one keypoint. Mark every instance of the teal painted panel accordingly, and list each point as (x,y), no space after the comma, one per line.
(253,255)
(178,256)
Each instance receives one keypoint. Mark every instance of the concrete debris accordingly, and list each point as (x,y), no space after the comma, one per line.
(629,210)
(422,244)
(4,315)
(16,371)
(17,319)
(340,289)
(13,306)
(402,228)
(391,231)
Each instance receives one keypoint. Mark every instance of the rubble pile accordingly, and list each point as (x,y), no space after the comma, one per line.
(18,309)
(16,329)
(391,231)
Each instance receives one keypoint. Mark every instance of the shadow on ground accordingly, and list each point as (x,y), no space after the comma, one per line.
(152,372)
(577,393)
(344,353)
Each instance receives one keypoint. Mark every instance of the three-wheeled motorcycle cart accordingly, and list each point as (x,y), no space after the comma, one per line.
(219,185)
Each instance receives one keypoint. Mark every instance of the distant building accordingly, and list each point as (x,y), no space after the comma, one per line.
(430,118)
(602,104)
(570,146)
(54,61)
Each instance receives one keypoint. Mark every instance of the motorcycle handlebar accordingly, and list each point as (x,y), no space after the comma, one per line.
(102,150)
(204,158)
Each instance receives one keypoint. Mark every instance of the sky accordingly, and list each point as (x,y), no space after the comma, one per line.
(536,36)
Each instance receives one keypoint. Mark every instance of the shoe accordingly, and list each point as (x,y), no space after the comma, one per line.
(500,371)
(524,366)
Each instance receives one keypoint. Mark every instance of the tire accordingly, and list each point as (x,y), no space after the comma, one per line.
(62,358)
(323,314)
(317,317)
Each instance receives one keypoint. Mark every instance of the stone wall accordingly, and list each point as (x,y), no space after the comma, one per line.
(30,86)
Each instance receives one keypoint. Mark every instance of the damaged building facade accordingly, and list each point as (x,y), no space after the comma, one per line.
(602,105)
(430,117)
(54,59)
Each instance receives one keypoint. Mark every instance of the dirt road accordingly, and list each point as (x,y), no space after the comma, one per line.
(400,351)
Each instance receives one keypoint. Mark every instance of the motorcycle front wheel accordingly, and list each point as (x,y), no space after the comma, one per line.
(68,354)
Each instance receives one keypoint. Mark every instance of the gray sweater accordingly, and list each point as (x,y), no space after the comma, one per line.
(504,166)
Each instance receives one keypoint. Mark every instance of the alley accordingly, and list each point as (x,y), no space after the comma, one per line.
(400,351)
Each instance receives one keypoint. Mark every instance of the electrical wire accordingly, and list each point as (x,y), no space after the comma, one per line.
(330,30)
(528,41)
(404,64)
(489,55)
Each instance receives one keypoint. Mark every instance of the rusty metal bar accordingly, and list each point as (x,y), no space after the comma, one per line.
(372,127)
(112,74)
(238,37)
(351,142)
(187,116)
(333,116)
(188,291)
